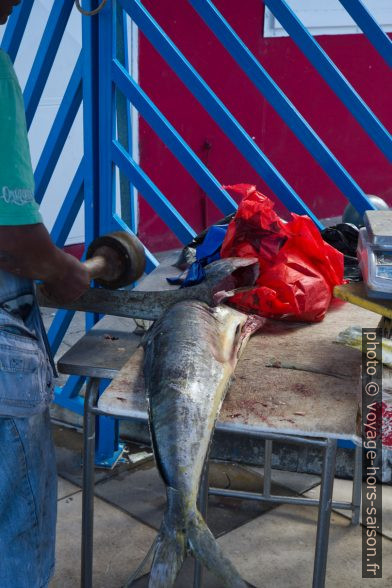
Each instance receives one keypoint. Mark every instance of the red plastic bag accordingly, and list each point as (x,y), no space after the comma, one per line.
(298,269)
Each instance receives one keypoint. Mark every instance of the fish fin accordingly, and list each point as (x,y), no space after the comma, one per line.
(205,548)
(147,561)
(169,556)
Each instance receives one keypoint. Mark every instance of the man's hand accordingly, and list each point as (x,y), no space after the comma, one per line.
(72,282)
(28,252)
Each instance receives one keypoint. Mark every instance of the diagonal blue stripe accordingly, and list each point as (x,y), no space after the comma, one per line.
(151,260)
(58,328)
(217,110)
(68,395)
(15,29)
(59,132)
(152,194)
(332,75)
(45,57)
(278,100)
(370,27)
(69,209)
(172,139)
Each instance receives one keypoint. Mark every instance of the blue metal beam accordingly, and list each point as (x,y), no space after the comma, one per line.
(70,208)
(128,197)
(152,194)
(68,396)
(151,260)
(45,56)
(279,101)
(91,144)
(15,29)
(107,430)
(60,231)
(332,75)
(107,120)
(172,139)
(58,328)
(370,27)
(217,110)
(59,131)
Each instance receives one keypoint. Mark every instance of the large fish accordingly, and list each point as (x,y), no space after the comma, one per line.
(190,356)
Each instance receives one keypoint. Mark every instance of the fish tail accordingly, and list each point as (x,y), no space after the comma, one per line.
(170,552)
(139,570)
(205,548)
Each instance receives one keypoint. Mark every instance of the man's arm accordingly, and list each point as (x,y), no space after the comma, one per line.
(25,245)
(27,251)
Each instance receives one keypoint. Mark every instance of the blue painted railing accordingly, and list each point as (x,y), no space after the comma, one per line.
(371,29)
(15,29)
(271,91)
(331,74)
(59,132)
(215,107)
(45,56)
(172,138)
(101,81)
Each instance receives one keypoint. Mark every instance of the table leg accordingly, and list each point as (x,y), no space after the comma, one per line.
(88,483)
(267,468)
(357,485)
(324,515)
(203,506)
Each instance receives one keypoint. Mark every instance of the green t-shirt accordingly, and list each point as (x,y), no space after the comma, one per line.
(17,203)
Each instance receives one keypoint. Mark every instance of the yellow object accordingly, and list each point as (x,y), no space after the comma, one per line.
(356,294)
(352,337)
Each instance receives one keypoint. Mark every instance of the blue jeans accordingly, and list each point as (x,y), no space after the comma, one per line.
(28,480)
(28,501)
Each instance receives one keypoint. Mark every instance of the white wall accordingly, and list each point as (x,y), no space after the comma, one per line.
(47,109)
(328,17)
(51,98)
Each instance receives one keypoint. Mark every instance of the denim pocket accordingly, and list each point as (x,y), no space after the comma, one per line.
(25,387)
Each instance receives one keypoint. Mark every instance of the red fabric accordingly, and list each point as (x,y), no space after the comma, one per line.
(386,423)
(298,269)
(383,424)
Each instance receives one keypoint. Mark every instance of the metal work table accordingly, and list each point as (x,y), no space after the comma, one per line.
(293,384)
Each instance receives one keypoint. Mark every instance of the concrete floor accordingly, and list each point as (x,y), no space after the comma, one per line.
(270,547)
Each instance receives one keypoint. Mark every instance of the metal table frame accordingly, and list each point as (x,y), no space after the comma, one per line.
(325,502)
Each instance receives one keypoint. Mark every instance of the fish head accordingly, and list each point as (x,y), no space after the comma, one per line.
(227,276)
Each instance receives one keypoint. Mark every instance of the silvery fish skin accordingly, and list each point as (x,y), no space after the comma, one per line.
(190,355)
